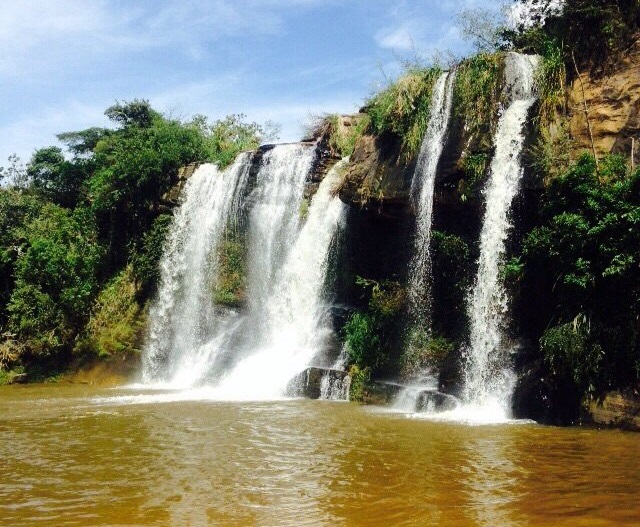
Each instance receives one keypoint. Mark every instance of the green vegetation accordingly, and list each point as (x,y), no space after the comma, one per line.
(551,81)
(584,255)
(230,288)
(344,133)
(474,167)
(477,88)
(81,236)
(370,334)
(359,379)
(116,325)
(423,353)
(403,108)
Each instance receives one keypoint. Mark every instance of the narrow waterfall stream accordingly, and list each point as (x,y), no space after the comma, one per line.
(422,189)
(488,379)
(183,318)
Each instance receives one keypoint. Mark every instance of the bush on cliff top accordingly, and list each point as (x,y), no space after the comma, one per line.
(403,108)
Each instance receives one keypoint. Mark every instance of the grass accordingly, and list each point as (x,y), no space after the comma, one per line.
(476,90)
(403,108)
(344,133)
(230,287)
(551,81)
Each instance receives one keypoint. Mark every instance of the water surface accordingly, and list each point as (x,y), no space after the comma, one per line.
(87,457)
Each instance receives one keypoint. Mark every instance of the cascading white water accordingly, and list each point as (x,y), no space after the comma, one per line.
(295,324)
(183,317)
(422,189)
(488,379)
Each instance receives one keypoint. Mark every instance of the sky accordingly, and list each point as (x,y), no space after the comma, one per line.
(63,62)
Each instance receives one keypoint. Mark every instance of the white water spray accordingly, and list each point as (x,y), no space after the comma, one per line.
(488,379)
(183,317)
(295,325)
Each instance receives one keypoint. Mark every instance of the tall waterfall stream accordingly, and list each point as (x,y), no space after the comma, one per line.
(488,379)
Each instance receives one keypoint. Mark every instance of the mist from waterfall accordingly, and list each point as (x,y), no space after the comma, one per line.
(487,375)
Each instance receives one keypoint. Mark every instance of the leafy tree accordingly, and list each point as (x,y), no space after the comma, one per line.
(56,279)
(586,251)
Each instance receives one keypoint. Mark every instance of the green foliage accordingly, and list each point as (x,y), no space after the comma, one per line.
(476,92)
(552,150)
(226,138)
(56,279)
(134,113)
(597,33)
(359,379)
(586,249)
(344,133)
(364,346)
(403,108)
(551,81)
(231,283)
(369,335)
(116,325)
(55,178)
(475,168)
(452,264)
(147,255)
(424,353)
(83,142)
(570,354)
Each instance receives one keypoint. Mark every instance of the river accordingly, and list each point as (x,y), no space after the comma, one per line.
(82,456)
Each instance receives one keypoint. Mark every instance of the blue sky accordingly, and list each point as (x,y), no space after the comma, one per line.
(63,62)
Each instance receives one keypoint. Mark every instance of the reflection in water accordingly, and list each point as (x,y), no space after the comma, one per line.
(492,478)
(77,457)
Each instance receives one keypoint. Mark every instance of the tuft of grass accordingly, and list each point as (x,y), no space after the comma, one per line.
(344,132)
(230,287)
(551,81)
(476,89)
(403,108)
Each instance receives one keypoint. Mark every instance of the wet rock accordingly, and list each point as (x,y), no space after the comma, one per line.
(308,383)
(435,401)
(614,409)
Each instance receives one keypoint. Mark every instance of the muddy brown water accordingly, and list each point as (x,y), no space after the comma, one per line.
(78,456)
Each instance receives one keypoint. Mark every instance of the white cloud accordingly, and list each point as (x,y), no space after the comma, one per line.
(398,38)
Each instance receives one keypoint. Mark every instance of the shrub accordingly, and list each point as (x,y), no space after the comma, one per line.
(477,88)
(116,325)
(230,286)
(424,353)
(403,108)
(359,379)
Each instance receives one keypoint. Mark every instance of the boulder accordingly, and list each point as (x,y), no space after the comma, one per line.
(614,409)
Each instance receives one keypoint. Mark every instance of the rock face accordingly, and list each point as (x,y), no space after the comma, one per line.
(615,409)
(308,383)
(375,179)
(614,109)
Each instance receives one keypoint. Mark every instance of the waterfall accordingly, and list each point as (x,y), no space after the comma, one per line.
(422,189)
(488,379)
(183,317)
(294,325)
